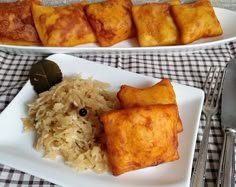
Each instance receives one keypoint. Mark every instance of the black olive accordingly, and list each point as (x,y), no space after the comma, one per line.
(83,112)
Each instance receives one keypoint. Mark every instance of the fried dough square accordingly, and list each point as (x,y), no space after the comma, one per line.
(155,25)
(174,2)
(16,23)
(195,21)
(63,26)
(160,93)
(140,137)
(111,20)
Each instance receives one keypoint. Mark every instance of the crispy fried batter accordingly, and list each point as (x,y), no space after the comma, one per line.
(63,26)
(196,20)
(174,2)
(16,23)
(155,25)
(160,93)
(111,20)
(141,136)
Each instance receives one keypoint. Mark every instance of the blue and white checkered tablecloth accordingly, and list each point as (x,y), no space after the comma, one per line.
(188,69)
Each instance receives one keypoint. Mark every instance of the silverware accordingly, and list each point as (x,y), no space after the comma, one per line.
(212,88)
(228,123)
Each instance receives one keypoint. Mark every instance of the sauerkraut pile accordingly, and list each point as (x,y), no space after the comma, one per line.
(66,121)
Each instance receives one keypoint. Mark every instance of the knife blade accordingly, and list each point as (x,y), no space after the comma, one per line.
(228,114)
(228,123)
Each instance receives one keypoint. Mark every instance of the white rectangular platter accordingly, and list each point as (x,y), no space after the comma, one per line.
(16,147)
(226,17)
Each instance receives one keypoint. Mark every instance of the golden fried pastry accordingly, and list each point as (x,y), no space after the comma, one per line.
(111,20)
(160,93)
(16,23)
(155,25)
(196,20)
(174,2)
(62,26)
(140,137)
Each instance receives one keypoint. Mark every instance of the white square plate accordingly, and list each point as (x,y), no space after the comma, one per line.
(16,147)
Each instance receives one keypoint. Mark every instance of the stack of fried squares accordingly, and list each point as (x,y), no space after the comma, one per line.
(107,23)
(174,23)
(27,22)
(144,132)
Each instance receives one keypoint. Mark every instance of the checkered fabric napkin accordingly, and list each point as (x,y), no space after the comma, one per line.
(189,69)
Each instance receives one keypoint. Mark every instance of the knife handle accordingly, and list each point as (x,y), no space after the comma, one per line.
(198,175)
(227,161)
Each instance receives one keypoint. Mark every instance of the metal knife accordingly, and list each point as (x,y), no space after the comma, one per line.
(228,123)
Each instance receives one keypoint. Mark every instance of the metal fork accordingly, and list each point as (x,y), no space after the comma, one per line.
(212,88)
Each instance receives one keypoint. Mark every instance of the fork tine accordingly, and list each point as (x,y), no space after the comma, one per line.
(209,80)
(221,86)
(216,95)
